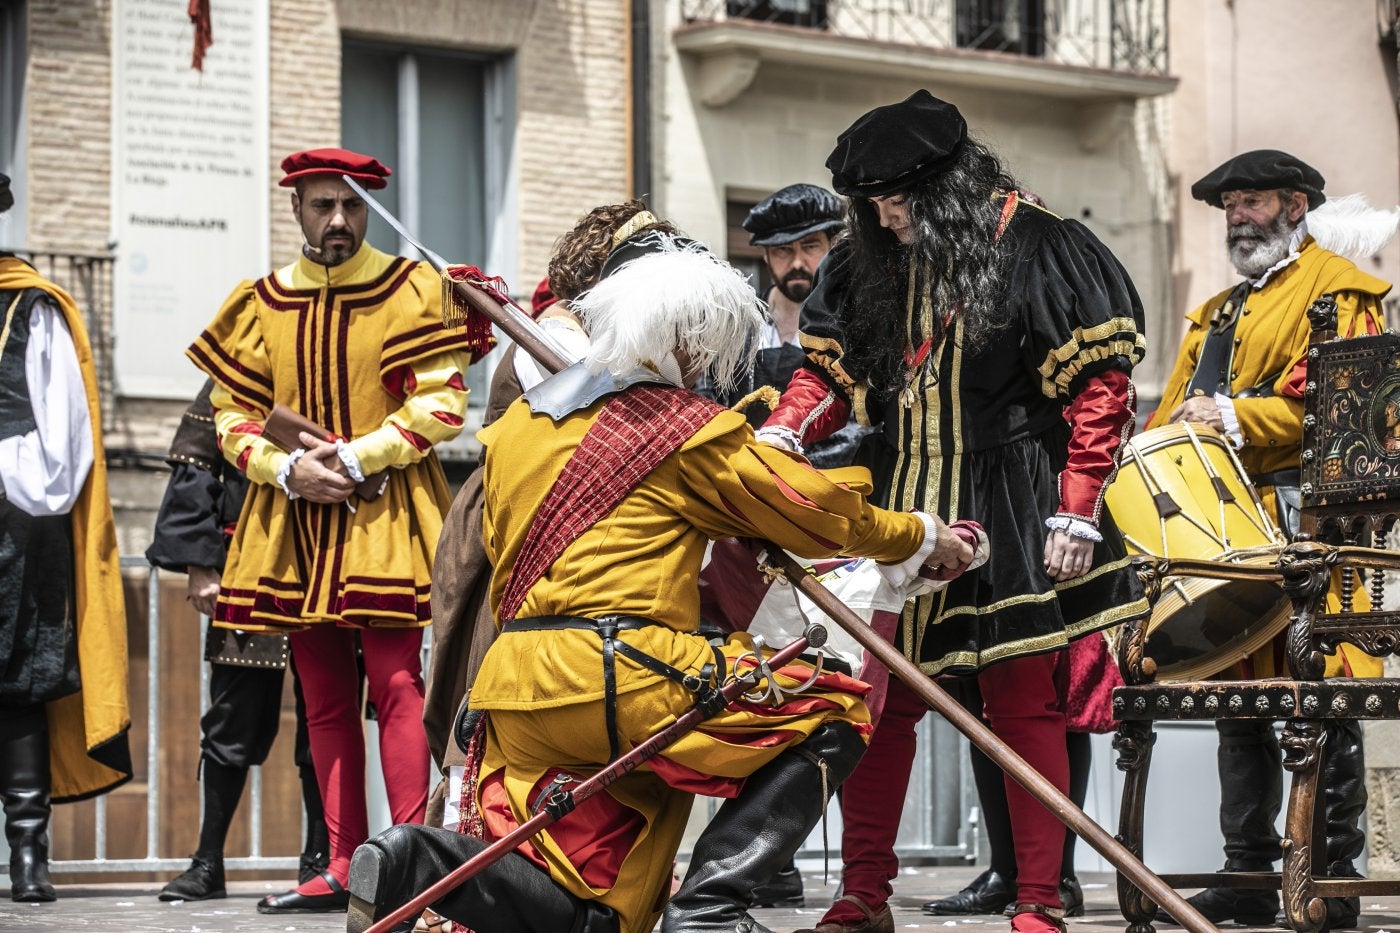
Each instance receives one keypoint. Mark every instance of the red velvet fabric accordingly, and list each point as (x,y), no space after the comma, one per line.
(1085,678)
(367,170)
(1101,421)
(1023,708)
(325,660)
(803,395)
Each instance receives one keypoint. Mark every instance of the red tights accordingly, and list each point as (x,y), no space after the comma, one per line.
(325,660)
(1021,704)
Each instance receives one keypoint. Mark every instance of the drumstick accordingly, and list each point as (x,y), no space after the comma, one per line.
(1268,526)
(1222,491)
(1176,509)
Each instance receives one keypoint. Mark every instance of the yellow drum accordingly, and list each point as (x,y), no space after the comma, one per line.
(1181,492)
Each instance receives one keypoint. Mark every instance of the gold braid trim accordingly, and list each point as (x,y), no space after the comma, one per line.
(1115,337)
(765,394)
(454,309)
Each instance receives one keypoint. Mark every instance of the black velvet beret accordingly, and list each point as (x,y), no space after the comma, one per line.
(896,146)
(1261,170)
(7,199)
(788,215)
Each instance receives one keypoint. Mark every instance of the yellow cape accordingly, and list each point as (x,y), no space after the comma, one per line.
(88,750)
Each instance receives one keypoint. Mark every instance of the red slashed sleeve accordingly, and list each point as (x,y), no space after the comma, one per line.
(1101,421)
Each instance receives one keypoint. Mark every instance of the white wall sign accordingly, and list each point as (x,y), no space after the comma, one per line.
(189,180)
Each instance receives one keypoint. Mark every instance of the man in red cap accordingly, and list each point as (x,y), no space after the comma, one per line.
(339,526)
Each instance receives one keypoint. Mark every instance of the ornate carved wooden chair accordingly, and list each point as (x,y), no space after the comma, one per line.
(1350,502)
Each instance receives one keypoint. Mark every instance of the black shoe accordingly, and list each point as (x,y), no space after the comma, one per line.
(290,902)
(1343,913)
(1071,896)
(989,893)
(202,881)
(782,890)
(1219,905)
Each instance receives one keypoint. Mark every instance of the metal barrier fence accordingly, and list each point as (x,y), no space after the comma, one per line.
(940,818)
(153,861)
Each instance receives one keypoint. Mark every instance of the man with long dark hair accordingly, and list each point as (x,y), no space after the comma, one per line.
(992,343)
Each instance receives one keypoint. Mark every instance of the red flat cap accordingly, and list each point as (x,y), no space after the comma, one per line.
(366,170)
(542,298)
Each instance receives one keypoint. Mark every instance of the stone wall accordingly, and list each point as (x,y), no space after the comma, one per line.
(568,151)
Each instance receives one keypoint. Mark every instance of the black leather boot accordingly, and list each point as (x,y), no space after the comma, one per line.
(24,784)
(1251,796)
(1344,802)
(756,833)
(784,889)
(509,896)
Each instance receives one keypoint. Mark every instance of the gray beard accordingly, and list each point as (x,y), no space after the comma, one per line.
(1252,258)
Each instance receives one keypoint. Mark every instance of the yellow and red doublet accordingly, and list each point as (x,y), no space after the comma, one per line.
(360,349)
(544,689)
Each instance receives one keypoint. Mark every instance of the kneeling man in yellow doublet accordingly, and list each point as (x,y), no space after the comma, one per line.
(602,486)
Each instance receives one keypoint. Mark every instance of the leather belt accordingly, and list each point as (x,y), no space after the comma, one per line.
(1279,478)
(703,685)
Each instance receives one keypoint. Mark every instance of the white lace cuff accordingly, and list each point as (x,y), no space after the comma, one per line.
(779,436)
(1074,527)
(1230,419)
(286,471)
(351,461)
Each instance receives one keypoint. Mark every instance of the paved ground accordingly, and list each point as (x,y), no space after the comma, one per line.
(134,908)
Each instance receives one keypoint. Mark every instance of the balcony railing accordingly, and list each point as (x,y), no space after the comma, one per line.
(88,278)
(1117,35)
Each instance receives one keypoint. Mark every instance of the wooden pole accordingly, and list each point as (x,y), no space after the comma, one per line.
(520,328)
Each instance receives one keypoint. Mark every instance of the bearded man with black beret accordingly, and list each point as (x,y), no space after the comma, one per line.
(992,342)
(1241,369)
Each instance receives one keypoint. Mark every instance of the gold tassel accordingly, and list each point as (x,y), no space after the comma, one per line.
(765,394)
(454,310)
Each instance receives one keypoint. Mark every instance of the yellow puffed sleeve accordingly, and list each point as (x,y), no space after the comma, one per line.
(240,437)
(434,410)
(740,488)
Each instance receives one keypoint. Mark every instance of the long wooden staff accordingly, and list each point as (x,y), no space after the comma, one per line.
(526,333)
(938,699)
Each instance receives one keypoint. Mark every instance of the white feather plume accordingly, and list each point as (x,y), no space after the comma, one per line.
(1351,227)
(683,298)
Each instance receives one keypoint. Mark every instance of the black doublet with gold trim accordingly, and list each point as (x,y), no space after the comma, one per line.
(982,435)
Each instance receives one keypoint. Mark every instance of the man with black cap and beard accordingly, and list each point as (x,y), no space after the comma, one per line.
(1241,369)
(992,342)
(795,227)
